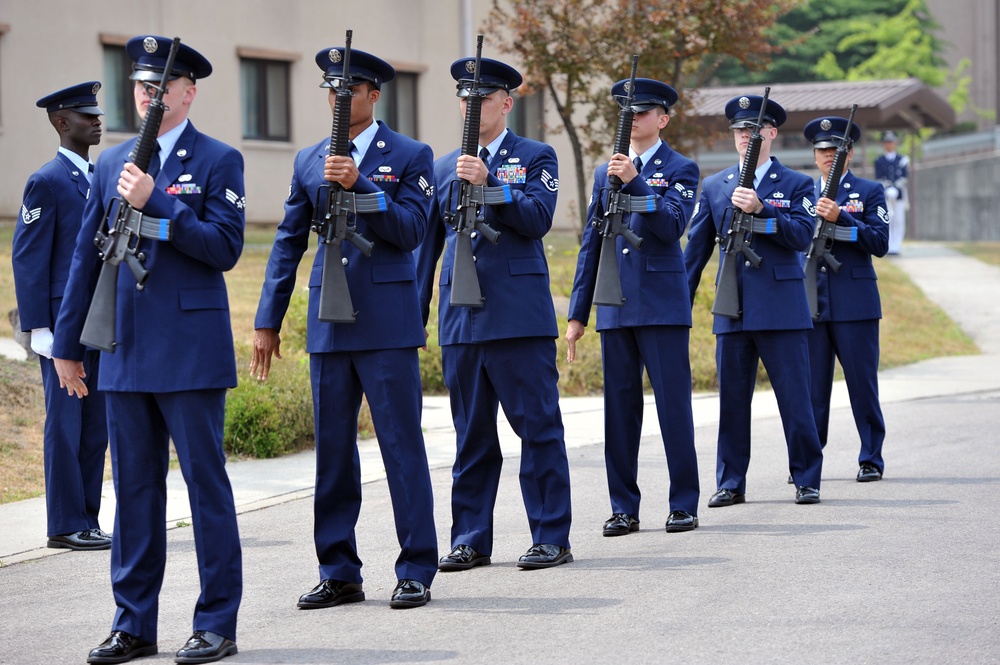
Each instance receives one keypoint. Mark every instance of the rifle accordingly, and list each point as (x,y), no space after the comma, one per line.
(126,226)
(614,223)
(469,217)
(736,239)
(826,231)
(333,214)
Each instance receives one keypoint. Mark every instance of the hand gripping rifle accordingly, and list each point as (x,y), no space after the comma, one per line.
(736,238)
(469,217)
(335,208)
(614,223)
(125,227)
(826,231)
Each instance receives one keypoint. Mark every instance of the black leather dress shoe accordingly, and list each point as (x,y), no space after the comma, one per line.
(868,473)
(544,556)
(409,593)
(620,524)
(329,593)
(681,520)
(462,557)
(205,647)
(806,495)
(91,539)
(724,497)
(121,647)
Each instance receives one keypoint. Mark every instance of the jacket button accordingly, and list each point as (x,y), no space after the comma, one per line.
(625,251)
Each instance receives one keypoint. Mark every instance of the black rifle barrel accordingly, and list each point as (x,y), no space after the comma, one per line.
(840,160)
(123,224)
(608,283)
(753,150)
(468,217)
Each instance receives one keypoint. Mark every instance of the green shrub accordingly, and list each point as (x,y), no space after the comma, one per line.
(273,417)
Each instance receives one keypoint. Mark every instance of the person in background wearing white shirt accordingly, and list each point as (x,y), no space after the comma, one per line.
(892,170)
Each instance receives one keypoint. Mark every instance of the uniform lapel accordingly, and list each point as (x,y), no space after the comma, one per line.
(74,174)
(504,152)
(375,156)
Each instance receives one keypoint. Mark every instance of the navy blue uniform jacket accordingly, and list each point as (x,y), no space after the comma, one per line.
(44,241)
(522,305)
(383,286)
(852,293)
(773,296)
(200,188)
(653,279)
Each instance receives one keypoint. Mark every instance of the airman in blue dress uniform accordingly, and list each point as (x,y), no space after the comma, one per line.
(76,431)
(651,329)
(503,353)
(376,354)
(849,304)
(174,360)
(774,317)
(893,170)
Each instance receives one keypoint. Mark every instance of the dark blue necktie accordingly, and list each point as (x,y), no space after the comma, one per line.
(484,155)
(154,162)
(638,164)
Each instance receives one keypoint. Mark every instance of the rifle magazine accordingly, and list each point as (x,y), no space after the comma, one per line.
(370,203)
(497,195)
(846,234)
(638,204)
(155,228)
(764,225)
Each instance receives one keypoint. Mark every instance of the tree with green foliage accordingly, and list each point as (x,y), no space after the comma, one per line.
(576,49)
(899,46)
(823,39)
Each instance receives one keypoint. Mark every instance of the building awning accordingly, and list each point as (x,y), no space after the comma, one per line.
(900,104)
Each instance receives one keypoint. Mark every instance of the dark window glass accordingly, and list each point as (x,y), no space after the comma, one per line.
(116,96)
(397,105)
(265,99)
(527,117)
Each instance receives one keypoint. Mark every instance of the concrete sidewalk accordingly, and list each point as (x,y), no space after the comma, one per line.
(965,288)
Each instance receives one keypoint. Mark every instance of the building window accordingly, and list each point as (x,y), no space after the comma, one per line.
(527,118)
(119,102)
(265,99)
(397,105)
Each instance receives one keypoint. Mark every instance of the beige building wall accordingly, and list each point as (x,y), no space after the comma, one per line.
(971,29)
(49,44)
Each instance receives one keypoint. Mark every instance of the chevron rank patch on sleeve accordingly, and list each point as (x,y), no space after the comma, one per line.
(551,184)
(426,187)
(29,216)
(239,201)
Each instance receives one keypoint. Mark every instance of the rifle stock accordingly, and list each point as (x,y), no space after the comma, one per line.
(738,230)
(335,207)
(469,217)
(126,226)
(614,223)
(826,231)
